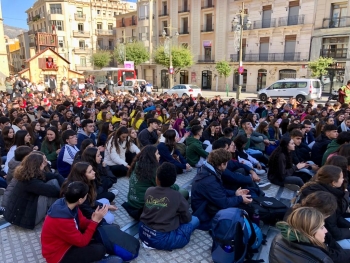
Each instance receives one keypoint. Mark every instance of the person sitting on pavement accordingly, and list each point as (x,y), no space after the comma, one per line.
(238,175)
(334,145)
(195,154)
(254,139)
(282,171)
(86,132)
(149,136)
(67,234)
(328,134)
(301,239)
(168,153)
(329,178)
(326,203)
(83,172)
(117,145)
(166,222)
(67,153)
(209,195)
(33,193)
(142,174)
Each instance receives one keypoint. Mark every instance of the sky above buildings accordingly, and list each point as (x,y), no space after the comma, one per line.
(13,12)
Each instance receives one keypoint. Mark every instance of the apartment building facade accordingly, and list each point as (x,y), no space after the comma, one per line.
(13,53)
(331,38)
(276,45)
(200,25)
(81,27)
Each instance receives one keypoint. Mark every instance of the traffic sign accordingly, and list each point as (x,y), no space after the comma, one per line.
(240,70)
(171,70)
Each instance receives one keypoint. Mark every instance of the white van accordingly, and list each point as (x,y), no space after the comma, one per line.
(301,89)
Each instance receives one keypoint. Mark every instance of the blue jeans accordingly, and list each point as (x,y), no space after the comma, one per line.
(177,238)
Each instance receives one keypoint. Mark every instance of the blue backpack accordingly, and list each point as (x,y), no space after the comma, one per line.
(231,237)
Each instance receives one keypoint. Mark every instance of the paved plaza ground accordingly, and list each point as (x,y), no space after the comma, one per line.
(18,245)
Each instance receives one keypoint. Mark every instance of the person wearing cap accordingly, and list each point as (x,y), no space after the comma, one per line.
(149,136)
(330,132)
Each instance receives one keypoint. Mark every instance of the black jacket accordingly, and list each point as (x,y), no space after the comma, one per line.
(336,224)
(284,251)
(319,148)
(278,170)
(23,200)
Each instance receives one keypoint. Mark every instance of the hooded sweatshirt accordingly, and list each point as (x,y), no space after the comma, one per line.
(64,228)
(12,166)
(194,151)
(331,148)
(82,136)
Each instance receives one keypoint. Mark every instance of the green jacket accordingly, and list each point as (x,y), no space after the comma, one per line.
(331,148)
(194,151)
(137,189)
(51,156)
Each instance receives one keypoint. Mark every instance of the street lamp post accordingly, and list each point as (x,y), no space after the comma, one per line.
(169,39)
(238,24)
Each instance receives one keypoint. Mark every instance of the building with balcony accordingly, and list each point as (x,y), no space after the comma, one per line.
(13,53)
(200,25)
(276,45)
(77,25)
(330,38)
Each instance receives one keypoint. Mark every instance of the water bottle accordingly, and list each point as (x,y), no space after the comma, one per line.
(256,217)
(228,248)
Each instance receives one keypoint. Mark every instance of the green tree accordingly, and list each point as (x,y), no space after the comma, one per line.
(224,70)
(181,57)
(135,51)
(319,67)
(101,58)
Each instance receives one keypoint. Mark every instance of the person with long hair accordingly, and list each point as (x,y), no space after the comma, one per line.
(302,238)
(104,177)
(66,234)
(21,138)
(133,137)
(8,135)
(139,118)
(34,140)
(84,172)
(17,124)
(329,178)
(116,147)
(211,133)
(142,175)
(168,152)
(51,146)
(243,157)
(33,193)
(281,169)
(105,131)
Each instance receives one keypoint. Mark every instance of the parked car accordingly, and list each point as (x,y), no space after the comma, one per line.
(184,89)
(300,89)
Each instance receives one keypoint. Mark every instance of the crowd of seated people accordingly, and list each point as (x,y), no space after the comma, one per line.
(63,155)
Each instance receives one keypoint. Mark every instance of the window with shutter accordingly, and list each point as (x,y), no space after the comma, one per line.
(42,63)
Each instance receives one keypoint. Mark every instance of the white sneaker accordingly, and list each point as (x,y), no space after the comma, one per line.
(260,172)
(115,191)
(145,246)
(264,186)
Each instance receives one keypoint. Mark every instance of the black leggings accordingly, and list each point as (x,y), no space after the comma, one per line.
(90,253)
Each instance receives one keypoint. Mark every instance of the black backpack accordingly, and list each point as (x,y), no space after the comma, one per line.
(270,209)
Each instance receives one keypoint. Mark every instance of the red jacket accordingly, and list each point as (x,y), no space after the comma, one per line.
(60,231)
